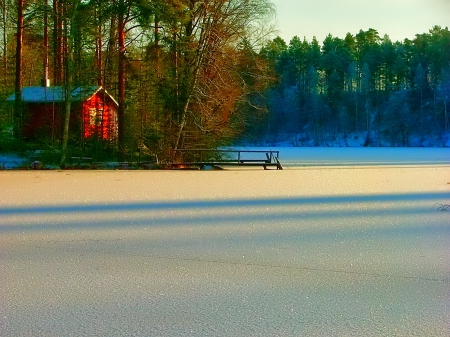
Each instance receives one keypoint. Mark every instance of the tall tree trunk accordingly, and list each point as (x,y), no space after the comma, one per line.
(98,52)
(57,42)
(5,43)
(121,78)
(177,77)
(69,78)
(182,115)
(110,54)
(356,111)
(18,82)
(45,65)
(158,52)
(445,81)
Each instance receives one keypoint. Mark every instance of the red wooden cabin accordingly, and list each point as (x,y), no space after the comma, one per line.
(93,113)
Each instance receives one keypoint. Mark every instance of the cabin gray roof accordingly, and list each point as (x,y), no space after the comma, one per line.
(57,94)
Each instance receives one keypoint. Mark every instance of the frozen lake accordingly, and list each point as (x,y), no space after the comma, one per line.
(307,251)
(351,156)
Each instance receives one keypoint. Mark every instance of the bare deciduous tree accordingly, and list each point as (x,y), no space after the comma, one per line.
(211,85)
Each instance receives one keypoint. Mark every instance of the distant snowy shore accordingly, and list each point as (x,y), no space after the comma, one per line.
(350,140)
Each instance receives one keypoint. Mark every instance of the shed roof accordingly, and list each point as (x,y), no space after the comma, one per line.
(57,94)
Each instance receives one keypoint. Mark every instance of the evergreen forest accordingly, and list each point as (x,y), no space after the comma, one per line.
(203,74)
(386,93)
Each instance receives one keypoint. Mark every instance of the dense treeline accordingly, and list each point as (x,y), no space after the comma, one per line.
(388,93)
(182,70)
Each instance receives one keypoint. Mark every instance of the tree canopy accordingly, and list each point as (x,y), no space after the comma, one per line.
(200,74)
(181,70)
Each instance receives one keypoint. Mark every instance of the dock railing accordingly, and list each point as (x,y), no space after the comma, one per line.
(216,157)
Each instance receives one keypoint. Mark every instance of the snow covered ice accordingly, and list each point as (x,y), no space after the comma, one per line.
(308,251)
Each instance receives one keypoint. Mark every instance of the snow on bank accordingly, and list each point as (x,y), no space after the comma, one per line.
(356,140)
(322,156)
(11,161)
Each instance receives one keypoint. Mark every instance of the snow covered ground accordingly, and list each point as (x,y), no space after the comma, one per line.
(307,251)
(10,161)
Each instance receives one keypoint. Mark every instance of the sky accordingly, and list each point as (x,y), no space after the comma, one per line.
(399,19)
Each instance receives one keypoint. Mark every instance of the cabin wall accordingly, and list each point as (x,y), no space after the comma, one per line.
(41,121)
(44,121)
(100,118)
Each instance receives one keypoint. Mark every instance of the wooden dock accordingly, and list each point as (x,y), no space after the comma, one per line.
(201,158)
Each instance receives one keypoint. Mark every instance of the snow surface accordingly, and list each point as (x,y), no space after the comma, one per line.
(307,251)
(11,161)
